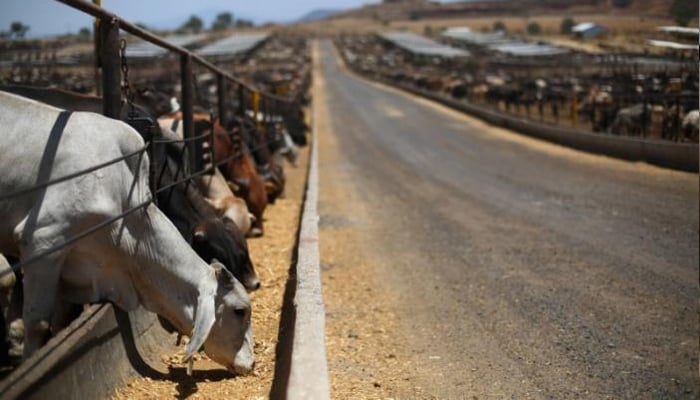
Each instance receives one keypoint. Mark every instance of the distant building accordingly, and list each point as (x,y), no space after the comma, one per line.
(588,30)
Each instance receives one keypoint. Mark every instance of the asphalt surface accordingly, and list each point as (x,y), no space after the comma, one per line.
(519,269)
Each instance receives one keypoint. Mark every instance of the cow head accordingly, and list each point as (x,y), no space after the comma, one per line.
(222,324)
(222,241)
(156,102)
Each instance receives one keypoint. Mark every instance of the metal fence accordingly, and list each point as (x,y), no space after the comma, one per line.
(109,54)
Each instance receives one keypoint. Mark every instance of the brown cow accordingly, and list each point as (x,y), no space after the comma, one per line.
(239,169)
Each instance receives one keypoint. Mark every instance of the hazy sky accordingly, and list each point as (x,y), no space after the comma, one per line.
(50,17)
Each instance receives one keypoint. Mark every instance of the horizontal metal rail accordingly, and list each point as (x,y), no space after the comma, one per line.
(16,267)
(76,174)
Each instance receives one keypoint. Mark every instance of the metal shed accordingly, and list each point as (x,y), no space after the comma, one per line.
(143,49)
(588,30)
(420,45)
(233,45)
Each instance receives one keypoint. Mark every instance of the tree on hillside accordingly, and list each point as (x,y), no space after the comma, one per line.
(621,3)
(85,33)
(566,25)
(683,11)
(18,30)
(244,23)
(222,21)
(499,26)
(533,28)
(194,24)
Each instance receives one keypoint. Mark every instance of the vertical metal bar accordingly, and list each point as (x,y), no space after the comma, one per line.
(241,100)
(187,115)
(96,43)
(256,109)
(221,98)
(645,116)
(111,72)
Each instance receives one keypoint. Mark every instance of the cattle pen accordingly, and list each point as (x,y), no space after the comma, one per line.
(101,348)
(534,103)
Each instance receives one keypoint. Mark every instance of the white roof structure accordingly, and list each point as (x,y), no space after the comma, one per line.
(498,41)
(523,49)
(147,49)
(582,27)
(421,45)
(476,38)
(235,44)
(673,45)
(680,30)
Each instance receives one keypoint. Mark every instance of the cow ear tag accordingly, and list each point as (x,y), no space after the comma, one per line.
(199,235)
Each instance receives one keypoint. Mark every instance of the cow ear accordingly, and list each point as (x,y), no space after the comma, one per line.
(204,320)
(243,182)
(223,276)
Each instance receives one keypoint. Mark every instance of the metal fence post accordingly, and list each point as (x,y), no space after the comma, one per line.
(256,109)
(96,44)
(111,70)
(241,100)
(187,115)
(221,98)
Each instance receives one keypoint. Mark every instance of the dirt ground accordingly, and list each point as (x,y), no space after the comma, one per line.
(271,255)
(368,358)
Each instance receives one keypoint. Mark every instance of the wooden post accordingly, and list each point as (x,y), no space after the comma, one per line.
(111,68)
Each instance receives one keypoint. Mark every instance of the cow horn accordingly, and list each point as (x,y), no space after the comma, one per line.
(233,186)
(204,320)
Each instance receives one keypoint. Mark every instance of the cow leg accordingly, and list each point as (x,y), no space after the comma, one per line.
(41,281)
(14,326)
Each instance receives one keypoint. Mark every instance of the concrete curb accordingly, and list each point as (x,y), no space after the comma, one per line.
(308,371)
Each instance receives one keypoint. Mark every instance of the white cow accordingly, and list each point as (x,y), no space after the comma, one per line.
(139,260)
(11,313)
(691,124)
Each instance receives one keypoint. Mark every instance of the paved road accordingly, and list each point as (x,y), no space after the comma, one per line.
(518,268)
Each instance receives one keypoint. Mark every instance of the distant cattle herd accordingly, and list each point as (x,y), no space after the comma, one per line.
(622,99)
(133,212)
